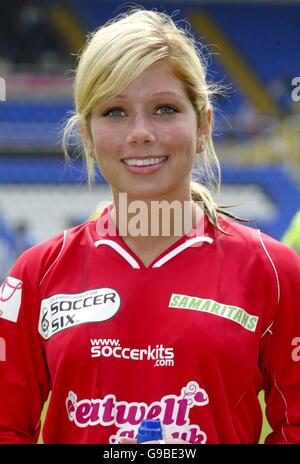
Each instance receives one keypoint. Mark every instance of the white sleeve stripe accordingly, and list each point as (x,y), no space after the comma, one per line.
(285,402)
(272,263)
(283,434)
(242,396)
(61,250)
(267,330)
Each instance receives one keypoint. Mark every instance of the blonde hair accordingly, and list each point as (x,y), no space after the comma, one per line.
(117,53)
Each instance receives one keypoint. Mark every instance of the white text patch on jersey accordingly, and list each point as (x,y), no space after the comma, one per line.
(10,298)
(65,310)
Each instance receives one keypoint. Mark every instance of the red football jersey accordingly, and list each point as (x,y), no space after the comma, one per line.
(191,339)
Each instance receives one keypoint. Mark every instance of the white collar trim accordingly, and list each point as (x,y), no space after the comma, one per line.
(180,248)
(133,262)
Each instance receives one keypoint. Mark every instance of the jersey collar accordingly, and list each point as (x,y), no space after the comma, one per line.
(105,233)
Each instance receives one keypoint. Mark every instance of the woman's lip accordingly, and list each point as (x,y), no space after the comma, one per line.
(145,169)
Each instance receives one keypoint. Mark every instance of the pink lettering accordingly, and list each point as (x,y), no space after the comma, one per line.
(135,414)
(193,435)
(108,406)
(82,413)
(172,410)
(182,412)
(197,438)
(127,433)
(154,411)
(201,397)
(168,414)
(94,415)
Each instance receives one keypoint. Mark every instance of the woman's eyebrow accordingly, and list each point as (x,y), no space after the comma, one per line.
(155,94)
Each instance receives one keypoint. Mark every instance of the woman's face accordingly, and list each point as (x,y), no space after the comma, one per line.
(145,140)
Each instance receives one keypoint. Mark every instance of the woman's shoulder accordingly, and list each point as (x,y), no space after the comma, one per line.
(42,255)
(251,241)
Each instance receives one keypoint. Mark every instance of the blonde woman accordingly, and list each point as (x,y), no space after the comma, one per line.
(182,316)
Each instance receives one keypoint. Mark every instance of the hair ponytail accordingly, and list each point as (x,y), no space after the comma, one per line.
(200,193)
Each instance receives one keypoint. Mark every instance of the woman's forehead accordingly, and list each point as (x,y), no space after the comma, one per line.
(156,80)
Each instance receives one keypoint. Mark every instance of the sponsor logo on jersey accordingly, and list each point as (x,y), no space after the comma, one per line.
(112,348)
(10,298)
(172,410)
(65,310)
(233,313)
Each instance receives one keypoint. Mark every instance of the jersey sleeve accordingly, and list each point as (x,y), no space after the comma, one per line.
(280,357)
(24,379)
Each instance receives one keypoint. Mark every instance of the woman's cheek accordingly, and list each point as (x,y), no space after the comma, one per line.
(106,142)
(178,136)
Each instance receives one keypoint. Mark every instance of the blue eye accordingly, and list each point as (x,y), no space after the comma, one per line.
(115,112)
(166,109)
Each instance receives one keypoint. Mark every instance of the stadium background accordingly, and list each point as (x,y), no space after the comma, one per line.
(255,49)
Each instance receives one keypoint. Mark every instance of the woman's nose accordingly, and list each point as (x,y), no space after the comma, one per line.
(140,131)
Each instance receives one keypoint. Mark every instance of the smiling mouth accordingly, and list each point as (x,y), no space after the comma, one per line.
(138,162)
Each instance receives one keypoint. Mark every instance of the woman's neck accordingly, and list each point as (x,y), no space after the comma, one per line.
(151,227)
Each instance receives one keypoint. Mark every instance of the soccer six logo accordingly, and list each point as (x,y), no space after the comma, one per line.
(63,310)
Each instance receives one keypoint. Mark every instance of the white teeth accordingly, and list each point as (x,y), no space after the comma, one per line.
(144,162)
